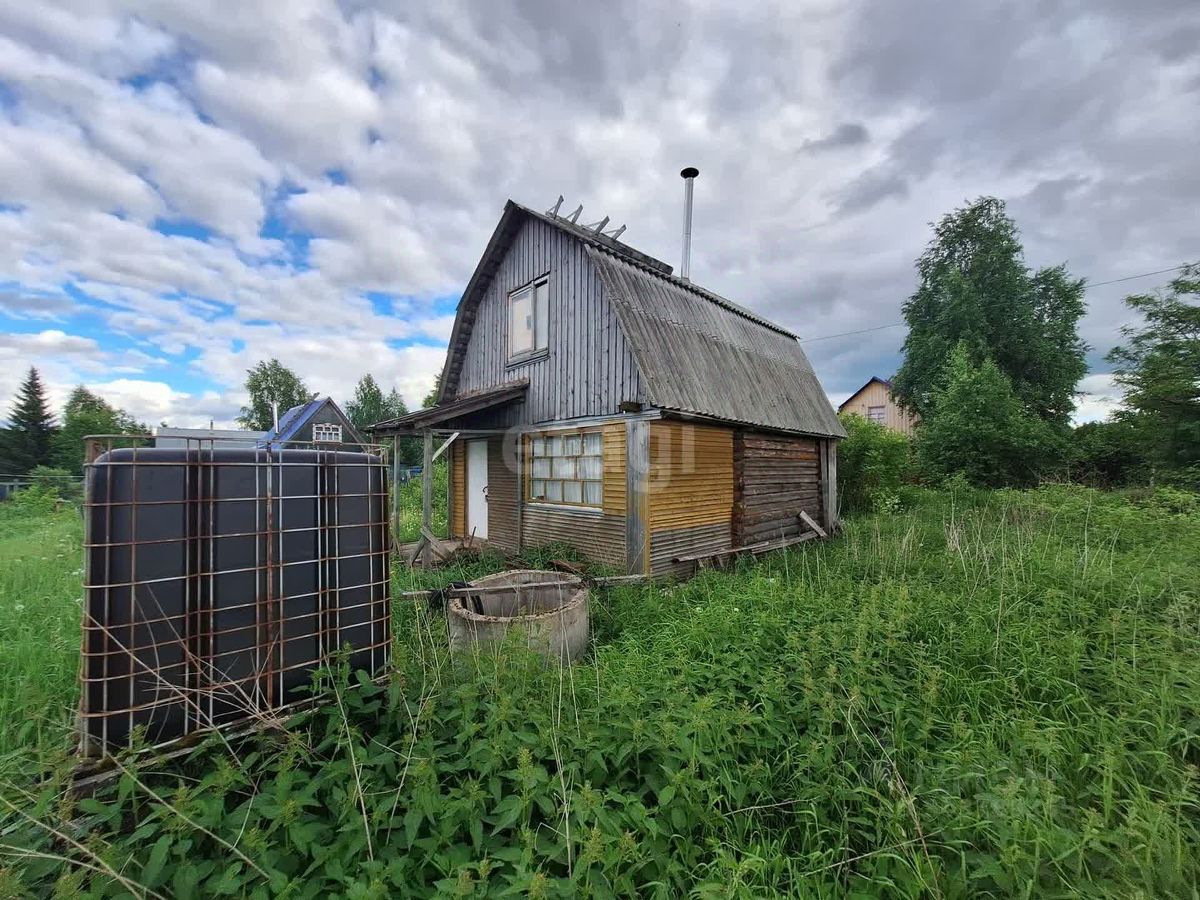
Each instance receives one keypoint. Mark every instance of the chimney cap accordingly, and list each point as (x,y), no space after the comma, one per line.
(689,172)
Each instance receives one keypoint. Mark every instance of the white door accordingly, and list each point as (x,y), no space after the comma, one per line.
(477,487)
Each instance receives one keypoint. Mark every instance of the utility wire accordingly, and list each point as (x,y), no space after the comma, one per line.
(826,337)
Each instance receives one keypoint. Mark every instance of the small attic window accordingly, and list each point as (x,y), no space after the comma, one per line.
(529,318)
(323,432)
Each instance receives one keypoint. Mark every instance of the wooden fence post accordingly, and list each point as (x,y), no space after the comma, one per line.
(427,497)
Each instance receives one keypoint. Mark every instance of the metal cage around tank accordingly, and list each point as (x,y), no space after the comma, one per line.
(217,581)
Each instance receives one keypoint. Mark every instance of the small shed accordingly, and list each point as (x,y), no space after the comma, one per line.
(318,421)
(593,398)
(874,402)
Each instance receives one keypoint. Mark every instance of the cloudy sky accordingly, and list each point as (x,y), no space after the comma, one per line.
(189,187)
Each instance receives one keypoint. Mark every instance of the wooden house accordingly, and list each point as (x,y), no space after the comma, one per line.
(319,421)
(595,399)
(873,401)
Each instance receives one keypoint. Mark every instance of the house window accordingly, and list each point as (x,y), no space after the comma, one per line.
(324,432)
(567,468)
(876,413)
(529,318)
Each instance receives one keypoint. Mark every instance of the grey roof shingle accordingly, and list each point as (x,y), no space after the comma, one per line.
(698,353)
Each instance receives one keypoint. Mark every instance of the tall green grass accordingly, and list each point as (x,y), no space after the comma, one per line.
(408,527)
(991,694)
(40,612)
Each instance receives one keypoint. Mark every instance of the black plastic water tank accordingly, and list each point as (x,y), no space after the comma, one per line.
(218,580)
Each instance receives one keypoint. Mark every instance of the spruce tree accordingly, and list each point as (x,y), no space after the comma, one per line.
(27,441)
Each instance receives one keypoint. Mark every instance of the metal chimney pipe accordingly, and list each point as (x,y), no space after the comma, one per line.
(689,175)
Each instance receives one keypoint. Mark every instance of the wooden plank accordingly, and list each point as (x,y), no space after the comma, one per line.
(761,547)
(427,495)
(829,500)
(442,449)
(637,526)
(395,485)
(811,523)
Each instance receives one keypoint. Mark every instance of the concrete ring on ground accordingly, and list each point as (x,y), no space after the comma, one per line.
(551,619)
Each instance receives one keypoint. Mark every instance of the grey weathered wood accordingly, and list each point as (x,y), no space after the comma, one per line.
(520,463)
(829,485)
(637,503)
(761,547)
(587,370)
(811,523)
(427,494)
(603,581)
(395,486)
(446,446)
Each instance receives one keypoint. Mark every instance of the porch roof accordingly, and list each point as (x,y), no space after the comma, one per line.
(509,392)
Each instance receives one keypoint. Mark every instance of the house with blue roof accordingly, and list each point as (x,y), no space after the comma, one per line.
(318,421)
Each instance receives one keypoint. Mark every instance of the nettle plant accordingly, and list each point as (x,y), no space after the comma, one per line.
(994,693)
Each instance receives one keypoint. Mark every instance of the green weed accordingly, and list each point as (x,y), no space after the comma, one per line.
(989,694)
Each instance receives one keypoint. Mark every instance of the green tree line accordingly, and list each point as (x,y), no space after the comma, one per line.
(991,363)
(35,439)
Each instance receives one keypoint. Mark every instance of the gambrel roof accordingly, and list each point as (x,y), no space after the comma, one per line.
(698,353)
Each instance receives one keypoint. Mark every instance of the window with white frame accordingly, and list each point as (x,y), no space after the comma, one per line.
(876,413)
(567,468)
(529,318)
(325,432)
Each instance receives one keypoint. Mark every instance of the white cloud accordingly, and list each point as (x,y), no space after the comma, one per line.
(1099,397)
(55,169)
(117,112)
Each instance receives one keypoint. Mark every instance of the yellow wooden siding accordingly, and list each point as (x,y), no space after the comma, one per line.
(690,481)
(458,489)
(613,500)
(876,394)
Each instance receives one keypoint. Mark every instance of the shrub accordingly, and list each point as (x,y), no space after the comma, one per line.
(872,464)
(59,482)
(34,501)
(978,427)
(1107,454)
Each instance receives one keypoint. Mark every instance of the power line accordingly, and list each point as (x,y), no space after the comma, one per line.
(1132,277)
(826,337)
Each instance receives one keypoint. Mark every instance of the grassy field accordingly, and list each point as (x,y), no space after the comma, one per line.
(40,595)
(988,694)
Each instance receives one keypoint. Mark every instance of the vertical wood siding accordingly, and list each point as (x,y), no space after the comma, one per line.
(458,489)
(776,477)
(588,370)
(502,498)
(876,394)
(691,491)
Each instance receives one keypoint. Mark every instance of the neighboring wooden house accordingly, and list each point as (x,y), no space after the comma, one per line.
(873,401)
(603,403)
(318,421)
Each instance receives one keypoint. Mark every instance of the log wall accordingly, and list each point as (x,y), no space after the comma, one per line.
(776,477)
